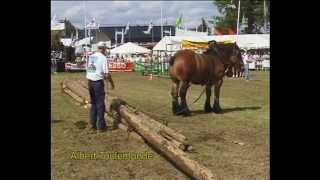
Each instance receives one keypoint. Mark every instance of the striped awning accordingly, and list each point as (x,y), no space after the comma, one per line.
(197,44)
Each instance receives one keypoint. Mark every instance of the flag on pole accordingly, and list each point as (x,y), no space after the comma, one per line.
(77,34)
(179,21)
(54,18)
(149,28)
(127,28)
(122,36)
(93,24)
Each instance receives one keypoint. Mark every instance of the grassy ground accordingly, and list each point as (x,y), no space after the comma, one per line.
(234,145)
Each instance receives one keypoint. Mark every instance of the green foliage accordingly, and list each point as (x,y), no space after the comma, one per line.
(253,10)
(179,21)
(68,32)
(56,45)
(70,29)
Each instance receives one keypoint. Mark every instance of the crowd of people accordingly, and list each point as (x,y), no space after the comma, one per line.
(141,58)
(253,59)
(56,56)
(258,59)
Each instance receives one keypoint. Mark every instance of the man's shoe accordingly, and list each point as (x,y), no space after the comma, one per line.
(92,130)
(102,130)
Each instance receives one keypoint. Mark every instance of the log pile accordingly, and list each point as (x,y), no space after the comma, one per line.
(165,140)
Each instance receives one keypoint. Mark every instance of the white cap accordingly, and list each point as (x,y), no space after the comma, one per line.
(101,44)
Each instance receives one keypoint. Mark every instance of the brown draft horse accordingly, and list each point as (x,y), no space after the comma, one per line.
(207,69)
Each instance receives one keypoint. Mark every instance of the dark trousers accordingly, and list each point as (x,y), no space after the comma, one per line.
(247,71)
(97,96)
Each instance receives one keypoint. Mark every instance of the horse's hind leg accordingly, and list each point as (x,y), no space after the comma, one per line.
(216,105)
(183,93)
(207,106)
(174,94)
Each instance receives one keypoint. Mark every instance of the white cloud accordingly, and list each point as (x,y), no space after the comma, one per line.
(73,11)
(136,12)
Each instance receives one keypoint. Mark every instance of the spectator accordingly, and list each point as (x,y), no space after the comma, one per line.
(246,62)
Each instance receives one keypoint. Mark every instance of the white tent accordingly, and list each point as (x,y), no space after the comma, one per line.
(95,47)
(246,41)
(83,41)
(183,32)
(253,41)
(66,41)
(168,43)
(130,48)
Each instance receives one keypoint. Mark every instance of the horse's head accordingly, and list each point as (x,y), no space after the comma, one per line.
(230,53)
(236,57)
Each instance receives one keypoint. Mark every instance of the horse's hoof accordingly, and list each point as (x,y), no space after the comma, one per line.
(180,113)
(184,112)
(175,108)
(208,109)
(187,113)
(217,110)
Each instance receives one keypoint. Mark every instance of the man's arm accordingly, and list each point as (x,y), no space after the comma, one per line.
(108,77)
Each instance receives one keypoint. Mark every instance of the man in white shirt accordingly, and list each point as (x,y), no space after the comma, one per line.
(246,65)
(97,72)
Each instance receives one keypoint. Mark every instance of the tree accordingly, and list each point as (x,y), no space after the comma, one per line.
(251,9)
(69,29)
(56,44)
(203,26)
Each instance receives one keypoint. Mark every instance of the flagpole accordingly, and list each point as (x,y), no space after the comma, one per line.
(116,39)
(265,15)
(161,25)
(152,33)
(122,36)
(85,20)
(85,31)
(238,18)
(89,36)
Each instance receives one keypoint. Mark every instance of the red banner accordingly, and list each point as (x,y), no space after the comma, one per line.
(120,67)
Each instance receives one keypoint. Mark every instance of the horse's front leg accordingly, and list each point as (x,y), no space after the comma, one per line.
(207,106)
(216,105)
(183,93)
(174,94)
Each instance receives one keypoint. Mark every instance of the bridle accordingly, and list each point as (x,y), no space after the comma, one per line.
(222,56)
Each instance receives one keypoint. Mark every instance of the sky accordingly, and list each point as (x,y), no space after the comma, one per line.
(134,12)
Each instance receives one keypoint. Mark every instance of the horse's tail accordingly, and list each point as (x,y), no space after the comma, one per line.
(171,61)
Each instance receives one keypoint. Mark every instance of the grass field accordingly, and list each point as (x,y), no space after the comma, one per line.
(233,145)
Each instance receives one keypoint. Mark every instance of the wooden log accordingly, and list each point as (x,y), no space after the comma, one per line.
(83,83)
(161,127)
(130,133)
(74,96)
(167,148)
(79,90)
(178,144)
(155,125)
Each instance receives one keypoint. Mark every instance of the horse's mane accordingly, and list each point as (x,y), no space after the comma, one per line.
(220,48)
